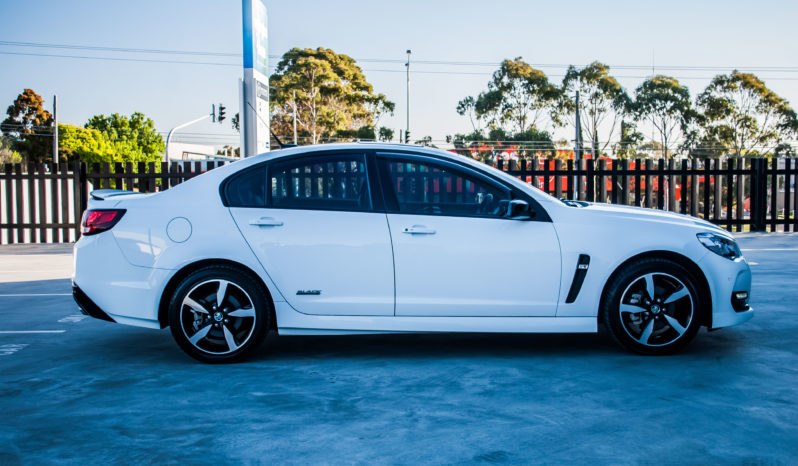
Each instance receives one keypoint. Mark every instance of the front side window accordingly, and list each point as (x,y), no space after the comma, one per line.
(331,182)
(421,187)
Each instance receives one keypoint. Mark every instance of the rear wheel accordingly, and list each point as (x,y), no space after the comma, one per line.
(653,307)
(218,314)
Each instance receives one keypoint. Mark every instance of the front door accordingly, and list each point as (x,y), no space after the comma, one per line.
(454,252)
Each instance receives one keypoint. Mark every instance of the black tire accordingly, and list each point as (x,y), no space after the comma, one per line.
(219,334)
(664,324)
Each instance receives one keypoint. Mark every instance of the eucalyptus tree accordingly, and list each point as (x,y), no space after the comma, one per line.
(328,90)
(742,115)
(517,98)
(665,103)
(602,102)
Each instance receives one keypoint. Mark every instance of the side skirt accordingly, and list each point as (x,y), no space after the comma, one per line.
(290,322)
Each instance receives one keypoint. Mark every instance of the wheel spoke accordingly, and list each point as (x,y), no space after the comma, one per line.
(221,292)
(675,324)
(195,306)
(632,309)
(243,312)
(201,333)
(231,342)
(650,285)
(676,295)
(647,332)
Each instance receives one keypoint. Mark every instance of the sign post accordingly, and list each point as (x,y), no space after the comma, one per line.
(255,86)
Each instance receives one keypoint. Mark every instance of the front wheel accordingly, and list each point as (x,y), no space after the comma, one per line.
(218,314)
(653,307)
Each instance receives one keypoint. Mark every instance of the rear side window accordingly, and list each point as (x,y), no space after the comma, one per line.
(247,189)
(331,182)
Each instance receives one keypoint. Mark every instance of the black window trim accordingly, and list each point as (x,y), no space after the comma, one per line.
(378,185)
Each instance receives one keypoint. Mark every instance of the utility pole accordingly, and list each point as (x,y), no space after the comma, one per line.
(577,143)
(294,102)
(55,130)
(407,127)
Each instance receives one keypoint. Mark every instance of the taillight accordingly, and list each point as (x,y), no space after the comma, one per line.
(99,220)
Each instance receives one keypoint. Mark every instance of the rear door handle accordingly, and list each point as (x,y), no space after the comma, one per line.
(418,230)
(266,222)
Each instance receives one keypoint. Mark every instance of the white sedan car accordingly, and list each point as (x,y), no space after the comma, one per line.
(383,238)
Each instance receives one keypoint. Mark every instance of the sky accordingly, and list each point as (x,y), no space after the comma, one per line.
(716,35)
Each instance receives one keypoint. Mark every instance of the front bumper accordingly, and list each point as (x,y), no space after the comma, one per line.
(725,278)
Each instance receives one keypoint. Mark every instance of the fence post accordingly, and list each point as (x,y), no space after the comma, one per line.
(591,184)
(759,194)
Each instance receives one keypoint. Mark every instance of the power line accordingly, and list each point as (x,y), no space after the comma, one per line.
(431,72)
(778,69)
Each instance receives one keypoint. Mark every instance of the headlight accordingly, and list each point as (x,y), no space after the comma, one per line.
(720,245)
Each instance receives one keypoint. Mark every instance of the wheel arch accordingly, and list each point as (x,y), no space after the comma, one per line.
(684,261)
(172,284)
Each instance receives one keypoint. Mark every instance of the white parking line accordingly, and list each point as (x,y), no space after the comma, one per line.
(7,350)
(72,319)
(25,332)
(27,295)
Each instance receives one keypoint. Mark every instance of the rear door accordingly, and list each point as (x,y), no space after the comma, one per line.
(455,254)
(310,220)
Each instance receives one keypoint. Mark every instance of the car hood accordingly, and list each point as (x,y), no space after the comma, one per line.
(631,213)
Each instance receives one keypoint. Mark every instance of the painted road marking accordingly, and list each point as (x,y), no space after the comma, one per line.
(72,319)
(25,332)
(7,350)
(28,295)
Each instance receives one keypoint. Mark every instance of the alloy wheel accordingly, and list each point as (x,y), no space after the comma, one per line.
(656,309)
(217,316)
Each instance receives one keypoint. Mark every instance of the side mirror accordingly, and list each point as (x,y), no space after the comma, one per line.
(518,209)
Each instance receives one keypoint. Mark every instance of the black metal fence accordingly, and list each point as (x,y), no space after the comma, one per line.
(740,194)
(44,203)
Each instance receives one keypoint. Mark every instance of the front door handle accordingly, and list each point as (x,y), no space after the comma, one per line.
(266,222)
(418,230)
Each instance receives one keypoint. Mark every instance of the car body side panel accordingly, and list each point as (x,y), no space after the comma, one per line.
(291,322)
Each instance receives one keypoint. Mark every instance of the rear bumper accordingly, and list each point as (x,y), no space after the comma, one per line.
(87,306)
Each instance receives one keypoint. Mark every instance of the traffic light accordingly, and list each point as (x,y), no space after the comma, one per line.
(213,113)
(220,116)
(407,137)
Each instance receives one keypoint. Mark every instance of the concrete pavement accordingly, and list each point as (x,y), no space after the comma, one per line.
(97,392)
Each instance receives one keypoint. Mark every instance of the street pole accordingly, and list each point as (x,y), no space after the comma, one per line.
(172,131)
(577,144)
(55,130)
(294,102)
(407,127)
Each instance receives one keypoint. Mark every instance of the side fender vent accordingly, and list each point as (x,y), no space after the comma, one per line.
(579,277)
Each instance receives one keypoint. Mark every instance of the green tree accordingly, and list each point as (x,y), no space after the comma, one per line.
(626,148)
(664,102)
(467,107)
(602,101)
(7,152)
(385,134)
(518,96)
(84,145)
(740,115)
(134,138)
(329,90)
(29,126)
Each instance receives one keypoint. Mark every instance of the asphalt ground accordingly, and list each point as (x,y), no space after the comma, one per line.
(85,391)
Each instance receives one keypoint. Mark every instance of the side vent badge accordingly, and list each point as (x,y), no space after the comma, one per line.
(308,292)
